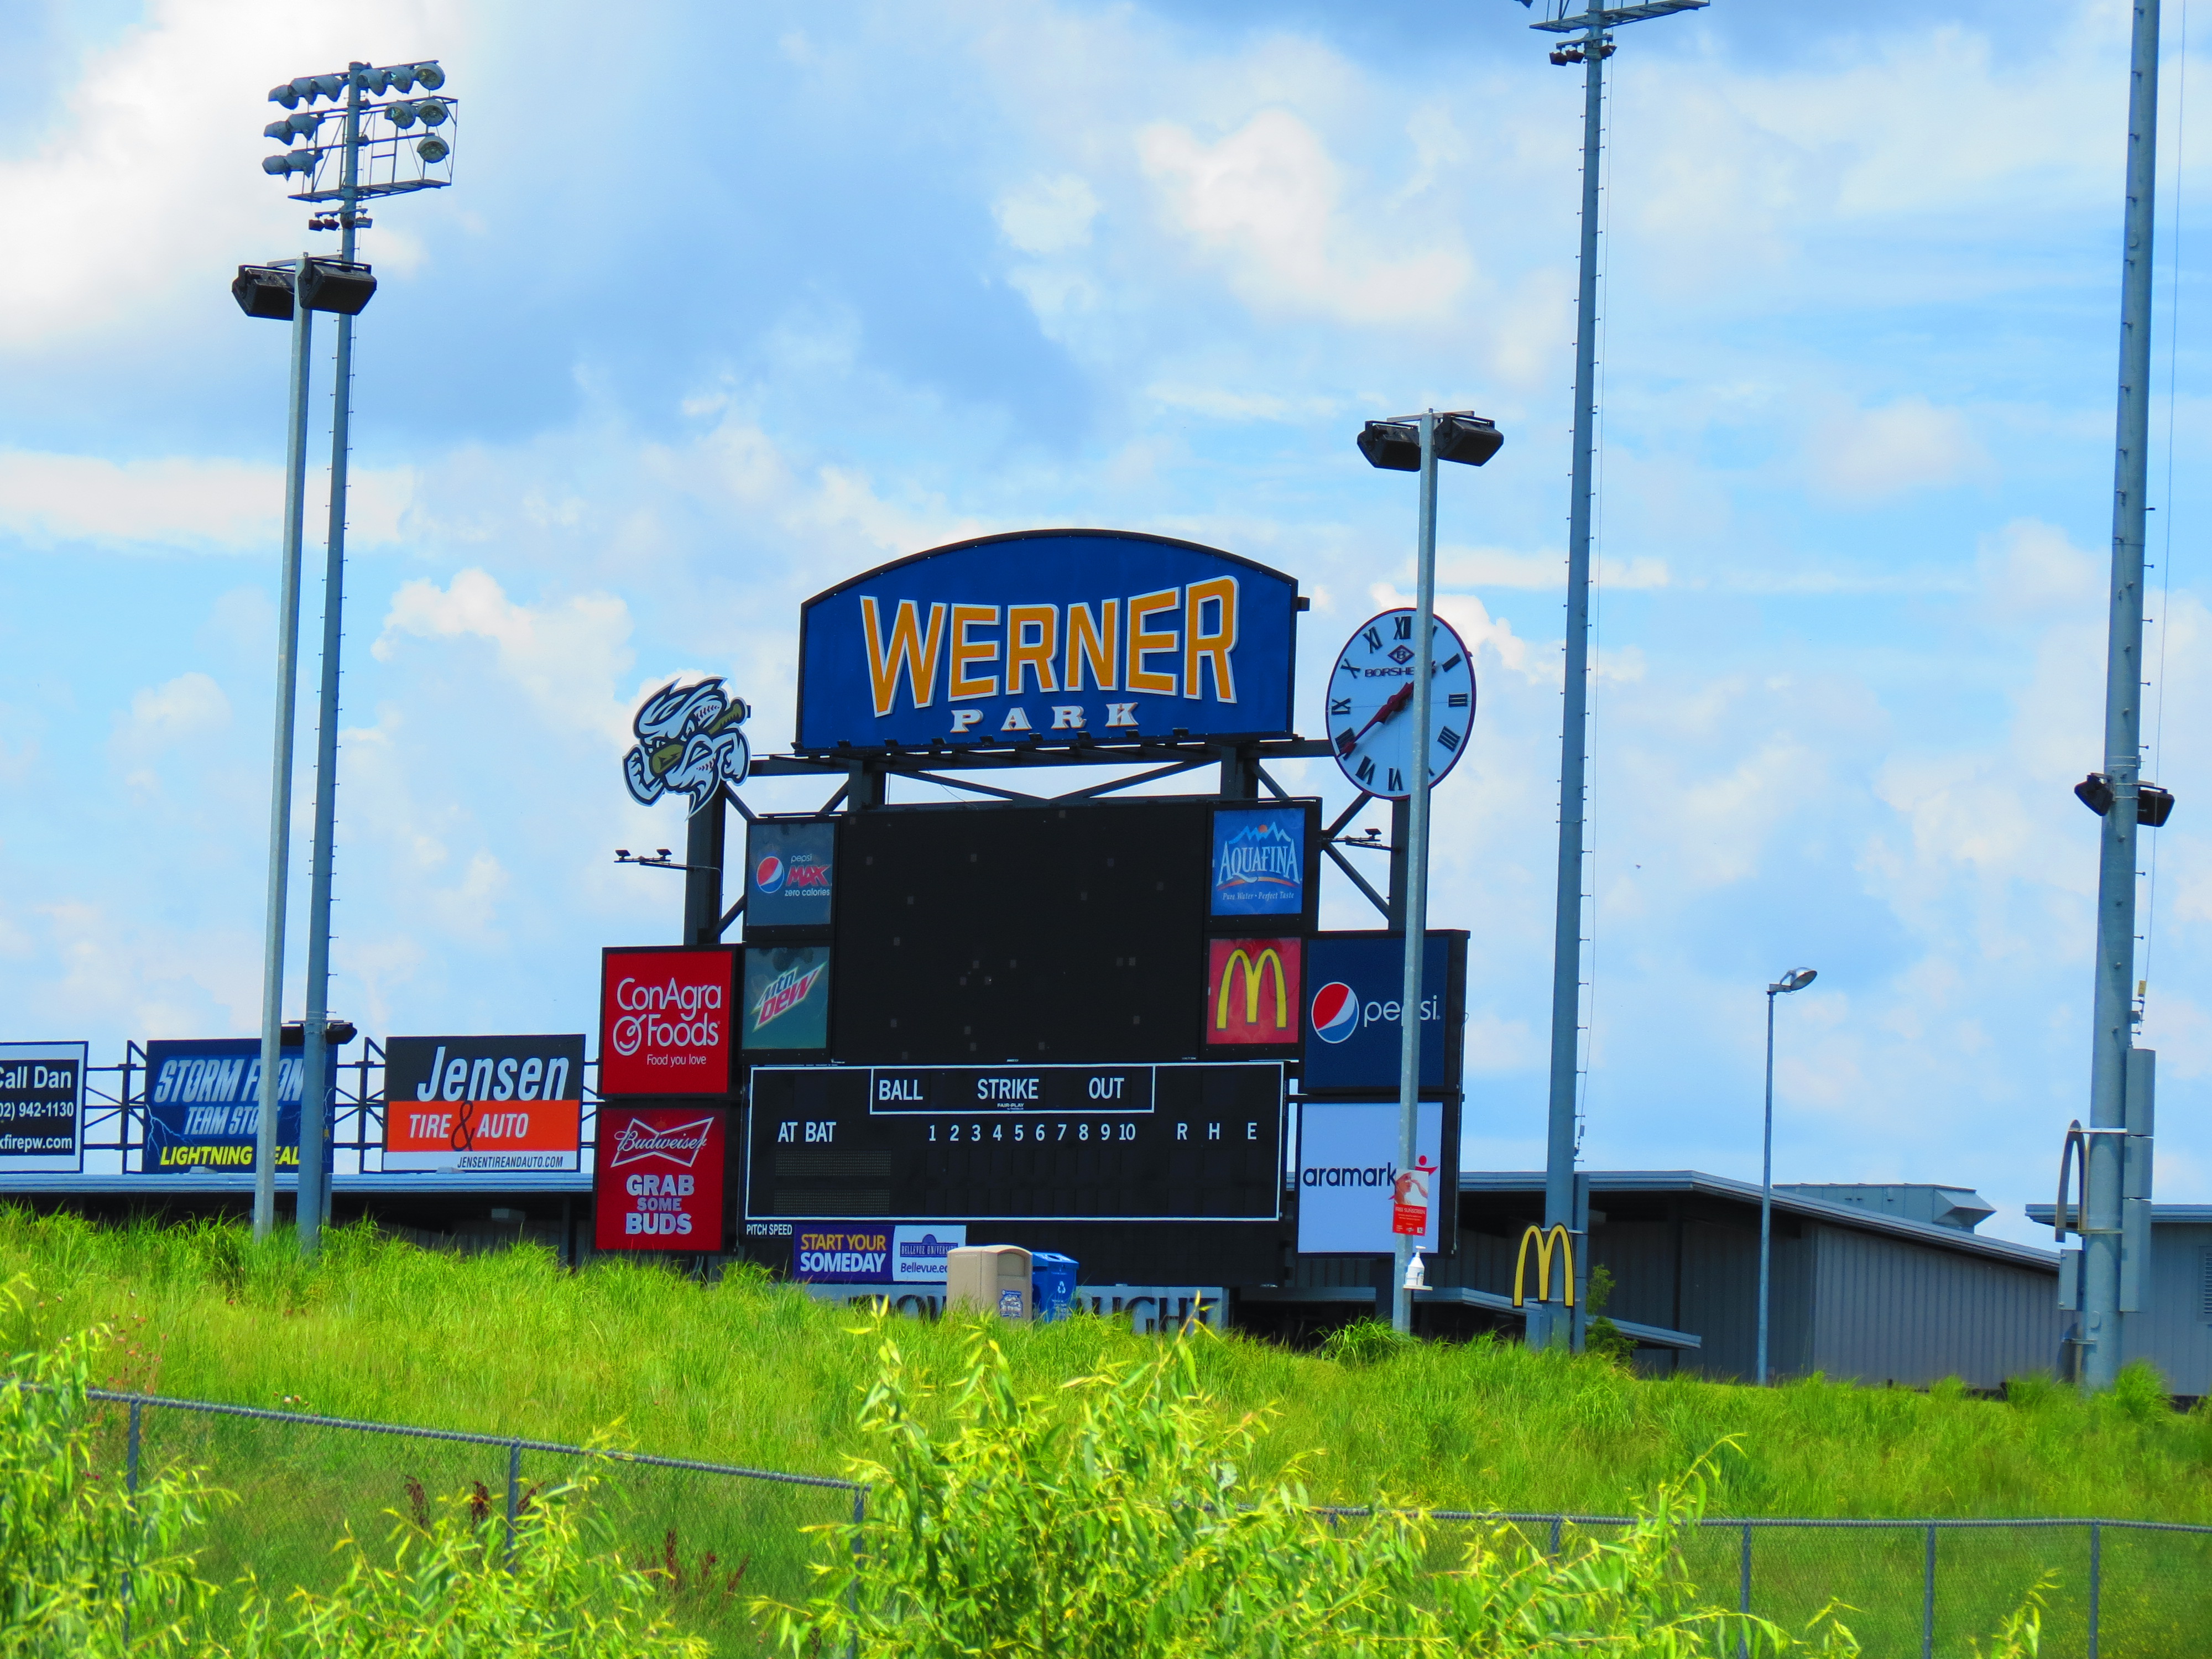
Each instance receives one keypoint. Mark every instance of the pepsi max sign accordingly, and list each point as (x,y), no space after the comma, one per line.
(789,870)
(1060,637)
(1355,983)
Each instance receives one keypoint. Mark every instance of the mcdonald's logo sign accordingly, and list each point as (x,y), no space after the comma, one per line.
(1254,991)
(1545,1243)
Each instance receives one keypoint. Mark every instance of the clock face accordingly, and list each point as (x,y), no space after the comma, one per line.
(1370,704)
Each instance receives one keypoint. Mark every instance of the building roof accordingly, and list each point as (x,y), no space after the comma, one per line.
(1786,1203)
(2172,1215)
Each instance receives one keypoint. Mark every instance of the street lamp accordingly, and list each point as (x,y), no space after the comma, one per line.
(349,153)
(1416,444)
(1795,980)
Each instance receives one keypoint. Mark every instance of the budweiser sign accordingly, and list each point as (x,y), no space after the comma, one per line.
(665,1021)
(658,1181)
(678,1143)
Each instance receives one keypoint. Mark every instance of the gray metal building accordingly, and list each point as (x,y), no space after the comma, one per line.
(1860,1290)
(2176,1333)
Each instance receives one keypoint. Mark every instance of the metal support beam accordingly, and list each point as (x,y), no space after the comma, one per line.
(706,833)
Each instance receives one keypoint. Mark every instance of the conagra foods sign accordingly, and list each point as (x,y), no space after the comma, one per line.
(658,1185)
(665,1021)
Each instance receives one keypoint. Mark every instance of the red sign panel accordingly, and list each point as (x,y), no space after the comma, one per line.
(1409,1199)
(658,1181)
(666,1024)
(1253,991)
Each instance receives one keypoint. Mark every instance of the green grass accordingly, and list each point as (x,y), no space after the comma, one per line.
(747,1372)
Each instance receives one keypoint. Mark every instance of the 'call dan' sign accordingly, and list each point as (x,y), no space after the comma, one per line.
(1049,636)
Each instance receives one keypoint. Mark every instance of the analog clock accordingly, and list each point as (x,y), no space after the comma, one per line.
(1370,704)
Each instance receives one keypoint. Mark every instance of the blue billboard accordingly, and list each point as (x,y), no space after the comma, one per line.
(1049,637)
(790,869)
(1259,861)
(203,1099)
(1355,983)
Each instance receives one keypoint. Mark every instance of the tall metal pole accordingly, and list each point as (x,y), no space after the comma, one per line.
(280,787)
(314,1093)
(1417,870)
(2116,863)
(1567,923)
(1767,1189)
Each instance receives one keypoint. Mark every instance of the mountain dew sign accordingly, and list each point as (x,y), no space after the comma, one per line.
(1049,637)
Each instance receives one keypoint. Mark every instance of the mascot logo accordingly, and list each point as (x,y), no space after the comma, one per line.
(687,743)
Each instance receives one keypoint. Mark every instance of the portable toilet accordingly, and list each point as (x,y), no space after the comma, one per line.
(1051,1284)
(988,1278)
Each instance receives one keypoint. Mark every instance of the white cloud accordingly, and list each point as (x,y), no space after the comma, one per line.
(1498,567)
(161,716)
(1048,215)
(1861,457)
(1266,201)
(212,504)
(569,656)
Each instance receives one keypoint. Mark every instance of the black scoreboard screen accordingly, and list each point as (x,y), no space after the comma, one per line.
(1185,1142)
(979,935)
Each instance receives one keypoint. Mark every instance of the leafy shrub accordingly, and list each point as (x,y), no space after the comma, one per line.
(1119,1526)
(86,1569)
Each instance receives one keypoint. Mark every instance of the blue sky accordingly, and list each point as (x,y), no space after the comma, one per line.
(728,303)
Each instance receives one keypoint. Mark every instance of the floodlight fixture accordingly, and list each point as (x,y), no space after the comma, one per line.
(2154,806)
(1795,980)
(362,159)
(1395,446)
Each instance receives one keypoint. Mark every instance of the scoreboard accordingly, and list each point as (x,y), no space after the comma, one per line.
(1172,1142)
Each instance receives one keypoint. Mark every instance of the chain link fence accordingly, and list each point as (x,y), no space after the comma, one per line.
(722,1533)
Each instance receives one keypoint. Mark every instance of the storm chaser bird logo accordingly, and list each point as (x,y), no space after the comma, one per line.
(687,743)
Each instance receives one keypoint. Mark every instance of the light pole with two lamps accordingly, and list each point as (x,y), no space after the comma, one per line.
(355,163)
(1795,980)
(1416,444)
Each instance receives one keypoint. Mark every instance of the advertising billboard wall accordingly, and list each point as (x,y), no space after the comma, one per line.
(1049,636)
(1353,984)
(42,1106)
(1253,992)
(790,872)
(480,1104)
(1348,1175)
(666,1019)
(1260,867)
(857,1252)
(658,1185)
(786,1002)
(203,1101)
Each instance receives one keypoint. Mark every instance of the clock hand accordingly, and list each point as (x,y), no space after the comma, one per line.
(1396,700)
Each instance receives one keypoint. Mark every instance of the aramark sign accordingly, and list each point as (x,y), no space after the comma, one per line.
(1052,636)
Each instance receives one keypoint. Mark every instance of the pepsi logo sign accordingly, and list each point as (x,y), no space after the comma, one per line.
(767,874)
(1335,1011)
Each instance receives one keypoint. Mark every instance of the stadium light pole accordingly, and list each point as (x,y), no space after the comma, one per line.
(1592,46)
(251,293)
(367,163)
(1795,980)
(1417,445)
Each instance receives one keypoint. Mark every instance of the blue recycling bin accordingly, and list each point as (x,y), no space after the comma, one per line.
(1052,1286)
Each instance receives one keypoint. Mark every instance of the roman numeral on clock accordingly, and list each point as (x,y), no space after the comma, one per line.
(1448,738)
(1457,700)
(1366,774)
(1450,663)
(1405,628)
(1397,780)
(1340,705)
(1374,639)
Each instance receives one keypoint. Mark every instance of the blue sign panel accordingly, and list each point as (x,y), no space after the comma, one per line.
(788,870)
(1049,636)
(203,1099)
(1354,982)
(1259,861)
